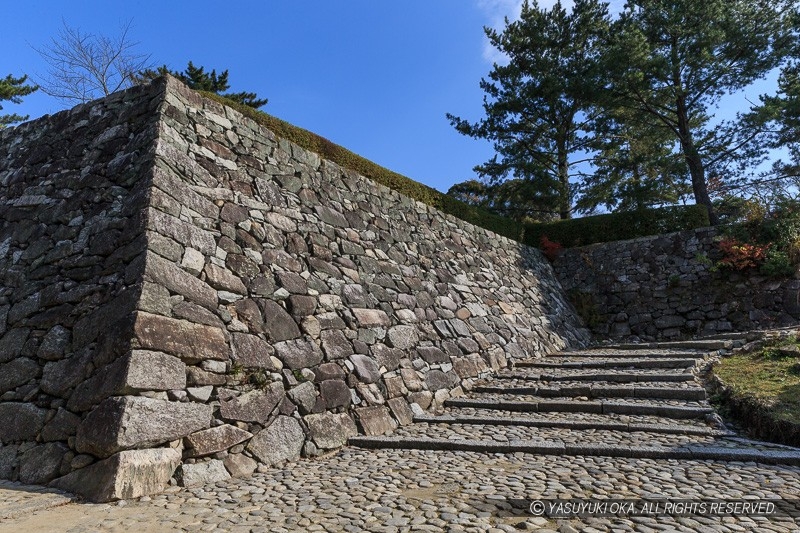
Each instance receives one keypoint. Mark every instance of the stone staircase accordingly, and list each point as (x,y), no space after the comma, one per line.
(634,401)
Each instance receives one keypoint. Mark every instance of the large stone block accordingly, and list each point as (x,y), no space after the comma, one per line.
(215,440)
(387,357)
(335,344)
(366,368)
(12,342)
(180,231)
(298,354)
(61,427)
(8,460)
(168,274)
(252,406)
(403,337)
(252,352)
(304,396)
(199,474)
(281,441)
(59,377)
(222,279)
(401,411)
(20,422)
(124,475)
(279,324)
(191,342)
(335,393)
(141,370)
(18,372)
(368,318)
(128,422)
(375,420)
(239,465)
(41,464)
(330,430)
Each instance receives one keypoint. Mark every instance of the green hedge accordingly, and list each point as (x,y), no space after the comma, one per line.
(575,232)
(618,226)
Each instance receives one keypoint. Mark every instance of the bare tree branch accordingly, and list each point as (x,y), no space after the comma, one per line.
(84,66)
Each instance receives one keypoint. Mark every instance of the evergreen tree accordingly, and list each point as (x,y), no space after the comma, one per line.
(675,60)
(13,89)
(540,106)
(636,166)
(515,198)
(198,79)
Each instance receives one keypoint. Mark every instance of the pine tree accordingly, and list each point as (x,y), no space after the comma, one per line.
(13,89)
(676,59)
(540,106)
(198,79)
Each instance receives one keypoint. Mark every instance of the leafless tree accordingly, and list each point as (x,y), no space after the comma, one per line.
(84,66)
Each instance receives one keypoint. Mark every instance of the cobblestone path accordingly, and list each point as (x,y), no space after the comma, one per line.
(596,424)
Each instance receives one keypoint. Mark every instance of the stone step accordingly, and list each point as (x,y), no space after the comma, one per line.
(566,435)
(709,344)
(533,405)
(552,362)
(597,422)
(619,376)
(599,390)
(588,419)
(778,456)
(618,353)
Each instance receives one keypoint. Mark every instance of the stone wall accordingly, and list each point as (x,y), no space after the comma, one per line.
(71,219)
(665,287)
(181,286)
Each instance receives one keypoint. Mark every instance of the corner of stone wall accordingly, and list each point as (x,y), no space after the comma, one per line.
(73,192)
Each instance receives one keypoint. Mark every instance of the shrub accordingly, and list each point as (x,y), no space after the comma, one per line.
(618,226)
(741,256)
(777,265)
(550,249)
(762,238)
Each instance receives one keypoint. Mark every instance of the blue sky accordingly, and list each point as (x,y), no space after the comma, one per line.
(374,76)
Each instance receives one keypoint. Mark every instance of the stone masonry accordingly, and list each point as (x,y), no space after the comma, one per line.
(183,294)
(665,287)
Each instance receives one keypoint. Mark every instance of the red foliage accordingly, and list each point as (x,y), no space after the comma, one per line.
(741,256)
(550,249)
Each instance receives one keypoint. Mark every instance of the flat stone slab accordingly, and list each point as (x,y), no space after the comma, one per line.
(18,500)
(600,407)
(600,391)
(675,429)
(127,474)
(638,362)
(789,457)
(618,377)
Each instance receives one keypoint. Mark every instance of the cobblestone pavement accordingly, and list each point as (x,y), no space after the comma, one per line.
(421,490)
(452,489)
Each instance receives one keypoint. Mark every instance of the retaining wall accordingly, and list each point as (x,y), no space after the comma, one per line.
(666,287)
(182,289)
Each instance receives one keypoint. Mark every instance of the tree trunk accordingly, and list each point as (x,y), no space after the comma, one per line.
(695,163)
(564,198)
(693,160)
